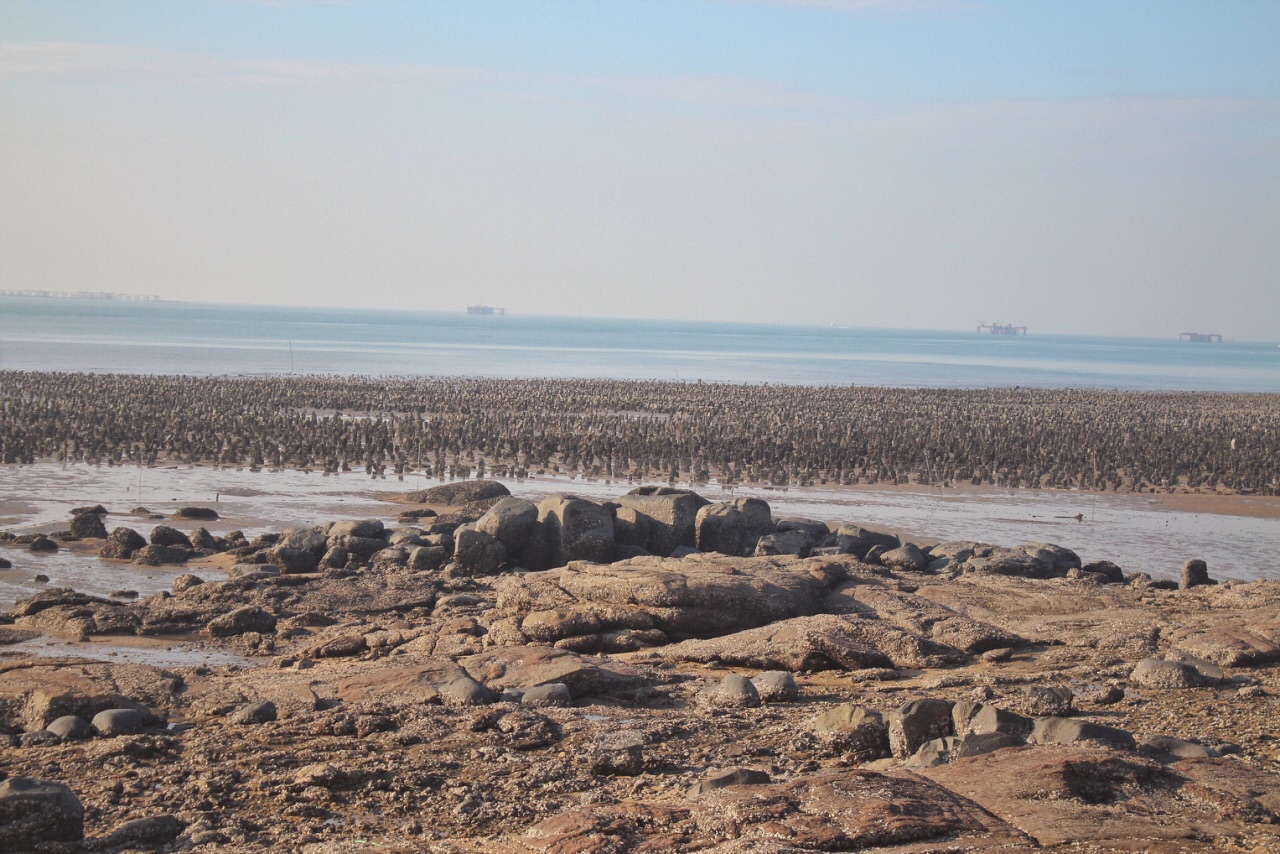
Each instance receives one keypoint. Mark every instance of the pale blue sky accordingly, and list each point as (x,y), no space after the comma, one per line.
(1075,166)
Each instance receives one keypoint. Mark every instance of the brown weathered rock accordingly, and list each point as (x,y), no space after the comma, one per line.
(820,642)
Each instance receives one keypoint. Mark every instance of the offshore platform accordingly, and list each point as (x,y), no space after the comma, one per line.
(485,310)
(999,328)
(1201,337)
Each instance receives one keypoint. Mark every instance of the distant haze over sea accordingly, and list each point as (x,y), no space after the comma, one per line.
(193,338)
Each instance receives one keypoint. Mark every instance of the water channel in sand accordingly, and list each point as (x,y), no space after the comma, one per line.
(1139,532)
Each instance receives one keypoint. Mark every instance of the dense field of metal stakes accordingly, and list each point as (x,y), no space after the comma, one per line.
(749,434)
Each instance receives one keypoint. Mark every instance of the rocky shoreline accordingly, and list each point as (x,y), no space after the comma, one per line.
(651,673)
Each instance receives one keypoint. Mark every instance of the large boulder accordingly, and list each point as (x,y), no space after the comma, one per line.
(914,723)
(303,539)
(659,521)
(856,540)
(34,812)
(247,619)
(522,668)
(477,553)
(819,642)
(855,730)
(203,514)
(699,596)
(577,529)
(510,522)
(733,527)
(88,526)
(154,555)
(340,532)
(122,543)
(163,535)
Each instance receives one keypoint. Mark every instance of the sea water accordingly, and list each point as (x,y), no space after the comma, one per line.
(192,338)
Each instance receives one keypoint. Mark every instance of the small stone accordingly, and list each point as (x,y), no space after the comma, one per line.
(150,831)
(1171,746)
(552,694)
(727,778)
(1003,653)
(186,582)
(43,544)
(260,712)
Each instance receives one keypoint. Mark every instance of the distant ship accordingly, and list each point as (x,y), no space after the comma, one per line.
(485,310)
(1201,337)
(999,328)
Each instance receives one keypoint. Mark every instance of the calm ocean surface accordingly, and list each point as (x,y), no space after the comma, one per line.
(193,338)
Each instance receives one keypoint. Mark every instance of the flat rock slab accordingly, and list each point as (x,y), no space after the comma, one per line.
(927,618)
(820,642)
(830,811)
(1234,646)
(36,692)
(1064,795)
(420,682)
(700,596)
(523,667)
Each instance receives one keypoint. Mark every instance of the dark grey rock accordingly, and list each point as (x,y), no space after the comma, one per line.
(260,712)
(551,694)
(776,686)
(163,535)
(122,543)
(576,529)
(734,691)
(33,812)
(857,731)
(477,553)
(733,527)
(729,777)
(914,723)
(510,522)
(1072,731)
(70,728)
(146,832)
(1195,573)
(464,691)
(88,526)
(113,722)
(248,619)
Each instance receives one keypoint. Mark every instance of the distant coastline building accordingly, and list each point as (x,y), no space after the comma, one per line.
(92,295)
(998,328)
(485,310)
(1201,337)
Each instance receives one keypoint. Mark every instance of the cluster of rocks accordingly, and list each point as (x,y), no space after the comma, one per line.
(656,672)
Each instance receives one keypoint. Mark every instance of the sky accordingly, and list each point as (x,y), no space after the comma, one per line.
(1076,167)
